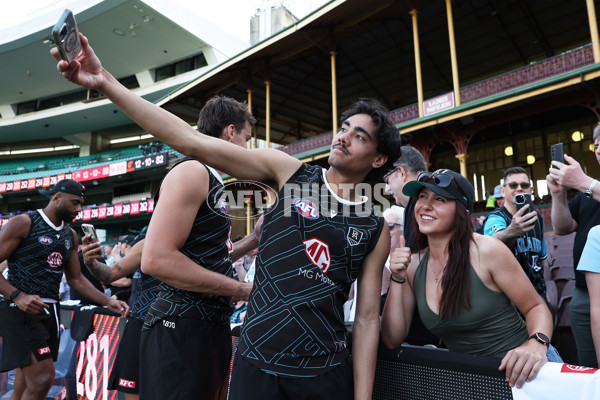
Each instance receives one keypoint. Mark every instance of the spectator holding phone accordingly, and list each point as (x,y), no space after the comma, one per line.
(522,230)
(579,215)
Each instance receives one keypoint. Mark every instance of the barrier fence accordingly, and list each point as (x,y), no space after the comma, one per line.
(410,372)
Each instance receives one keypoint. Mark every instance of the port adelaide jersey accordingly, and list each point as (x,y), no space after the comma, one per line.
(145,294)
(312,246)
(209,245)
(36,266)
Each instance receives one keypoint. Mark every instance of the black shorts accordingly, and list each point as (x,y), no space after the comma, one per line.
(24,334)
(125,375)
(251,383)
(183,358)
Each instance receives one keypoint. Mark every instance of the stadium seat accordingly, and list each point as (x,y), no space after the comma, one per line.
(562,272)
(563,337)
(552,297)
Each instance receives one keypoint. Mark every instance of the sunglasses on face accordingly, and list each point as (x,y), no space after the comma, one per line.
(441,179)
(514,185)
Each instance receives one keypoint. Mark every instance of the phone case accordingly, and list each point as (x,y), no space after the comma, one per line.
(66,36)
(557,153)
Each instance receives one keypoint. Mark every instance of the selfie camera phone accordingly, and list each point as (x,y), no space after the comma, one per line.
(524,198)
(90,230)
(557,153)
(66,36)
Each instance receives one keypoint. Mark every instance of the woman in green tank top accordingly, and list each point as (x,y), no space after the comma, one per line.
(465,285)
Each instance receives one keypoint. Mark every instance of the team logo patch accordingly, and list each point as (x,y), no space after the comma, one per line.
(44,350)
(68,244)
(126,383)
(354,236)
(55,259)
(318,252)
(45,240)
(223,205)
(576,369)
(306,208)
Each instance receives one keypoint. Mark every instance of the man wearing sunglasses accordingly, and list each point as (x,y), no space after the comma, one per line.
(523,230)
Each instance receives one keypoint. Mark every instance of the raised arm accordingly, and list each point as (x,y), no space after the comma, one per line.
(567,176)
(365,331)
(258,164)
(400,303)
(122,268)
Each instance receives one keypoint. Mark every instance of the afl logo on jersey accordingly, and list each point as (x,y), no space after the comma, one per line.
(306,208)
(223,205)
(318,252)
(55,259)
(45,240)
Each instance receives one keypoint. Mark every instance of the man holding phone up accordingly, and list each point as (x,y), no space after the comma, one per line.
(39,246)
(521,230)
(579,215)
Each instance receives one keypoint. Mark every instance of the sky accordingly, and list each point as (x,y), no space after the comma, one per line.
(231,15)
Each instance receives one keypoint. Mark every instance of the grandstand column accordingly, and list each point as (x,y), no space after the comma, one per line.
(460,140)
(333,92)
(415,25)
(455,81)
(268,113)
(591,10)
(462,160)
(248,217)
(249,91)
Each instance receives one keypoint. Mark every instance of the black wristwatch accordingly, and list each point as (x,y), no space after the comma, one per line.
(540,337)
(14,294)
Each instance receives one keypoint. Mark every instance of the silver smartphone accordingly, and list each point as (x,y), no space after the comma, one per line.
(66,36)
(89,229)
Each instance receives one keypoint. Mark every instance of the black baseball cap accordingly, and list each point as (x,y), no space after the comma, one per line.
(446,183)
(66,186)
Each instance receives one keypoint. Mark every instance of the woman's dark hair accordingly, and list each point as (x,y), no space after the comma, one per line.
(455,281)
(388,138)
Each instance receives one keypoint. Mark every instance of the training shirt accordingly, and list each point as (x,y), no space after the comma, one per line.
(36,266)
(312,248)
(209,245)
(145,294)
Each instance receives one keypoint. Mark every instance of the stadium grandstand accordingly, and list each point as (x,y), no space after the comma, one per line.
(476,86)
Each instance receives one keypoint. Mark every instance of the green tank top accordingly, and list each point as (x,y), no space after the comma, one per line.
(492,327)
